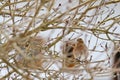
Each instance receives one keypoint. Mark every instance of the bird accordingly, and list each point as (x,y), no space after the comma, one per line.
(80,50)
(116,61)
(32,56)
(69,60)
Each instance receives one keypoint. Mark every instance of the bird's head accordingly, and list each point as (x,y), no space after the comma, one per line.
(80,40)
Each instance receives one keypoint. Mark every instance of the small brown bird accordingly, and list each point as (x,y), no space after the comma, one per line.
(116,66)
(80,50)
(32,52)
(116,61)
(69,60)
